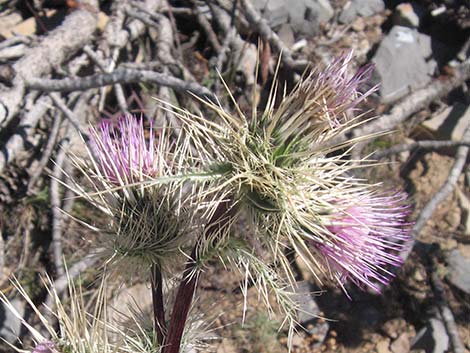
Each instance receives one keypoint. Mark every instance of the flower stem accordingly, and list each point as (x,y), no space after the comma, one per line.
(158,308)
(184,296)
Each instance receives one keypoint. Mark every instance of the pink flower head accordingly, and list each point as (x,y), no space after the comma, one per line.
(367,239)
(44,347)
(341,91)
(123,153)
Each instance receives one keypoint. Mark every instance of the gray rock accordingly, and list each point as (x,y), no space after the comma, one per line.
(402,63)
(401,344)
(432,338)
(450,123)
(274,11)
(304,16)
(286,34)
(459,268)
(309,312)
(464,204)
(362,8)
(10,325)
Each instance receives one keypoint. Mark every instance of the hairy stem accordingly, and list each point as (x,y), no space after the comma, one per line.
(157,300)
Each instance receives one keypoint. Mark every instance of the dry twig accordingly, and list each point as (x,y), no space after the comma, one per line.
(23,134)
(120,75)
(414,103)
(76,30)
(446,189)
(446,313)
(425,144)
(68,114)
(57,215)
(255,19)
(37,170)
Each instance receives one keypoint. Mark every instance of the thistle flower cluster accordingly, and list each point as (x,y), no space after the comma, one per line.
(297,187)
(278,171)
(131,172)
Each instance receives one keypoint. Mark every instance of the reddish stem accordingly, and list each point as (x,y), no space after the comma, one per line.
(158,308)
(184,296)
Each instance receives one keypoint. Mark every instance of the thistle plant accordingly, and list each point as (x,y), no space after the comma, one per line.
(283,172)
(277,171)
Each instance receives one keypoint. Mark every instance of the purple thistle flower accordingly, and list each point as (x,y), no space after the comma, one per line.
(335,76)
(123,153)
(340,90)
(367,238)
(44,347)
(322,101)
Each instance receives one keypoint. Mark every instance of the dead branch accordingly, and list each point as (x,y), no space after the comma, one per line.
(425,144)
(18,142)
(231,37)
(207,27)
(2,256)
(262,26)
(119,91)
(446,313)
(69,115)
(122,76)
(37,170)
(76,30)
(446,189)
(414,103)
(117,36)
(57,215)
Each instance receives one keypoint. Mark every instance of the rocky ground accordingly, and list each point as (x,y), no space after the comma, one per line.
(66,64)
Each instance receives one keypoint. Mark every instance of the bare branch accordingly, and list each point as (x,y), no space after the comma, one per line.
(69,115)
(119,91)
(270,36)
(57,215)
(18,142)
(426,144)
(76,30)
(414,103)
(122,76)
(207,27)
(61,283)
(46,154)
(446,189)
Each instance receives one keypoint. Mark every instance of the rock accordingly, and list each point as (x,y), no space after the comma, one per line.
(274,11)
(297,340)
(450,123)
(248,62)
(286,34)
(309,312)
(401,344)
(459,268)
(10,325)
(358,25)
(464,204)
(8,21)
(453,218)
(405,15)
(432,338)
(128,301)
(362,8)
(305,16)
(227,346)
(402,62)
(382,347)
(393,327)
